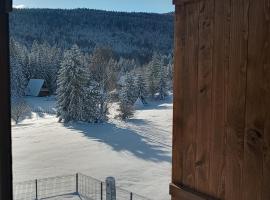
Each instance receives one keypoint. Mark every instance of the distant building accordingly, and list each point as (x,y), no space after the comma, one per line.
(139,103)
(37,88)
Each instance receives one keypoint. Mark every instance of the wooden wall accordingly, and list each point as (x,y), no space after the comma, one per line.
(221,126)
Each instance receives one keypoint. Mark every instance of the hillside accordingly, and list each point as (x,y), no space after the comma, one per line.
(133,35)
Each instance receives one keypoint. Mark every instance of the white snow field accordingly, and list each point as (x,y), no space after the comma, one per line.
(137,152)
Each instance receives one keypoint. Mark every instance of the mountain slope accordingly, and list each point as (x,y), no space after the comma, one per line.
(129,34)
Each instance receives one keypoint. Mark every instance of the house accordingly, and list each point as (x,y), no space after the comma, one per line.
(37,88)
(139,103)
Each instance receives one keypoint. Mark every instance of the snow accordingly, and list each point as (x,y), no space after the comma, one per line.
(67,197)
(137,152)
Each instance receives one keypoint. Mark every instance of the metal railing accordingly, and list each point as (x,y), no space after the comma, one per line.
(79,184)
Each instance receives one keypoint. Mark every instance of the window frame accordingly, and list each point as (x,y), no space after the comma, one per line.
(5,119)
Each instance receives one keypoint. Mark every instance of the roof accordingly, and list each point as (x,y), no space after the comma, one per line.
(138,104)
(34,87)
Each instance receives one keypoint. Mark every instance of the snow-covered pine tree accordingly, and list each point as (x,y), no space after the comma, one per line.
(52,57)
(162,83)
(99,63)
(102,103)
(91,103)
(112,78)
(72,80)
(127,98)
(153,74)
(126,65)
(17,76)
(141,87)
(44,62)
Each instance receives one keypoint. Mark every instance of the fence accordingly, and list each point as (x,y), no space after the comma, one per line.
(80,185)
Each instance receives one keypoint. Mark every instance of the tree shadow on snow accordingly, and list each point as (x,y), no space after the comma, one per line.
(138,122)
(123,139)
(158,105)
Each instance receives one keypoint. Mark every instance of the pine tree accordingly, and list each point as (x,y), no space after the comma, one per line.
(153,74)
(99,64)
(72,80)
(162,83)
(127,98)
(91,103)
(17,76)
(102,103)
(141,88)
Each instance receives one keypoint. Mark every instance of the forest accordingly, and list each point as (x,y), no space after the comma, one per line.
(89,58)
(130,35)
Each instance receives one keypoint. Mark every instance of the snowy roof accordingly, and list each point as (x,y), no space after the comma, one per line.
(138,103)
(34,86)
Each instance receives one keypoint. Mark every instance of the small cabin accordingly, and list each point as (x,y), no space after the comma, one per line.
(37,88)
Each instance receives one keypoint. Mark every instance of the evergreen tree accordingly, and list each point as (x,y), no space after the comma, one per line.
(91,103)
(102,103)
(127,98)
(72,80)
(141,88)
(44,62)
(99,64)
(162,83)
(112,78)
(17,76)
(153,74)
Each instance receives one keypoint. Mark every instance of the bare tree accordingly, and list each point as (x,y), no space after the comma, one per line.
(19,108)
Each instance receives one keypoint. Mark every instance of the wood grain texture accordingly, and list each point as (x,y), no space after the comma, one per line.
(204,94)
(266,72)
(236,100)
(255,110)
(182,192)
(190,80)
(182,2)
(180,37)
(220,66)
(224,126)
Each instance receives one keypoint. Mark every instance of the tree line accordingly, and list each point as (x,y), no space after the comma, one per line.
(85,83)
(130,35)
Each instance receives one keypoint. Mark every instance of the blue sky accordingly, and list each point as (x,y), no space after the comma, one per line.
(158,6)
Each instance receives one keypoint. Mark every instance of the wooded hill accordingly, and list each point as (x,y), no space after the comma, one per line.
(131,35)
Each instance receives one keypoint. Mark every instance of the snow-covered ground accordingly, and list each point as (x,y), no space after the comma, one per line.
(137,152)
(66,197)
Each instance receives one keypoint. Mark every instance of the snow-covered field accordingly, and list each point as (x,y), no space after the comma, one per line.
(137,152)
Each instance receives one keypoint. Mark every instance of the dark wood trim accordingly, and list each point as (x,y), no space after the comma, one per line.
(5,6)
(186,193)
(182,2)
(5,122)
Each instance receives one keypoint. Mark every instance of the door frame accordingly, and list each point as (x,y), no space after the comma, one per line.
(5,119)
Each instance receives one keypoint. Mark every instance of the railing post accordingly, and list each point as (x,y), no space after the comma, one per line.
(131,196)
(110,189)
(77,183)
(36,183)
(101,191)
